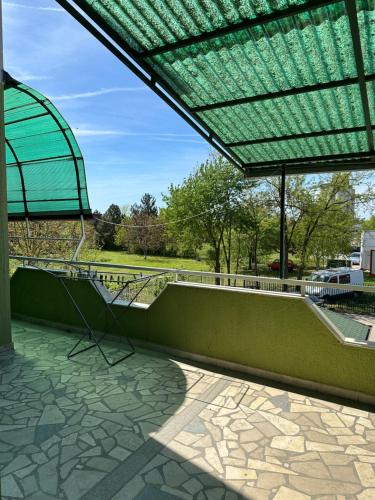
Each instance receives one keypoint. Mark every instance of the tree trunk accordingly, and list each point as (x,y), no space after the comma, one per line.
(228,251)
(238,253)
(255,256)
(217,264)
(250,259)
(317,261)
(301,267)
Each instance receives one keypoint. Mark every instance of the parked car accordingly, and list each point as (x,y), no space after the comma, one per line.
(341,275)
(275,265)
(355,258)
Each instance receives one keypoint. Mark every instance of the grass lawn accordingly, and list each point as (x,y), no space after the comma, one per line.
(369,280)
(116,257)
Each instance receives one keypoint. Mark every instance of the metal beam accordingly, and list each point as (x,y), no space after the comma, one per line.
(45,201)
(351,9)
(5,325)
(320,133)
(61,215)
(39,115)
(245,24)
(310,159)
(146,74)
(312,168)
(38,160)
(22,179)
(282,225)
(282,93)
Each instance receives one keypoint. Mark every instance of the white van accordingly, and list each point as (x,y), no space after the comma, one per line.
(341,275)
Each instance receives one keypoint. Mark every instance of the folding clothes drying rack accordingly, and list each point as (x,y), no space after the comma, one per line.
(107,299)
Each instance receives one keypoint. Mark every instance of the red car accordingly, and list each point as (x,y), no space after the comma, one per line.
(275,265)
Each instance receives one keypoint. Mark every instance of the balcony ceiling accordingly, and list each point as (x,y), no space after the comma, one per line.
(269,84)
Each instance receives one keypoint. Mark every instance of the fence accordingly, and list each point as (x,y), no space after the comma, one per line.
(358,299)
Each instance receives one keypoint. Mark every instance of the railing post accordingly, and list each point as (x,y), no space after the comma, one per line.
(176,277)
(282,225)
(303,291)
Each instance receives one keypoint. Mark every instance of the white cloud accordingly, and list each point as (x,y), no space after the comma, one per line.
(180,139)
(82,132)
(88,132)
(96,93)
(34,7)
(27,77)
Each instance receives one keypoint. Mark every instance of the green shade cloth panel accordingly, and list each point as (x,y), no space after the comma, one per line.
(310,147)
(306,43)
(348,327)
(303,113)
(45,169)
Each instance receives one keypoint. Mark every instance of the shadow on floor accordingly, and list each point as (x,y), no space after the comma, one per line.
(75,429)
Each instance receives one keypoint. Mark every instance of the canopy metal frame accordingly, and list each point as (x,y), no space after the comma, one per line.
(139,63)
(46,109)
(62,130)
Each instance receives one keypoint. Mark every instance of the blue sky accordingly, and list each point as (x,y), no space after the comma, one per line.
(131,140)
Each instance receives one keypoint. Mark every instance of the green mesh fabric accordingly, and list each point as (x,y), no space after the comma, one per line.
(308,147)
(276,56)
(303,113)
(146,24)
(306,48)
(45,169)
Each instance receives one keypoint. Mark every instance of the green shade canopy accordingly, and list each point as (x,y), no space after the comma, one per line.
(45,169)
(267,82)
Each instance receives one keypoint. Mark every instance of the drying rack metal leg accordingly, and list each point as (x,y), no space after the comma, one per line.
(90,332)
(114,318)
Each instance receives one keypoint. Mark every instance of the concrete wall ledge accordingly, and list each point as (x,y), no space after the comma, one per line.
(238,289)
(221,364)
(272,335)
(265,374)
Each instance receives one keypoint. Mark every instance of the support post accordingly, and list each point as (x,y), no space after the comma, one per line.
(5,325)
(282,261)
(81,241)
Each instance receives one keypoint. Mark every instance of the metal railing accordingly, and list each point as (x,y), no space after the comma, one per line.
(78,241)
(344,297)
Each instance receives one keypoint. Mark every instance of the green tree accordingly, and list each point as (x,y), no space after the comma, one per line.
(147,206)
(207,205)
(146,234)
(369,224)
(321,214)
(142,230)
(258,229)
(105,228)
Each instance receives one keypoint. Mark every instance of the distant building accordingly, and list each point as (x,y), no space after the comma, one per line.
(348,196)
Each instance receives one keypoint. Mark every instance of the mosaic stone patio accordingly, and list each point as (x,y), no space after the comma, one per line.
(155,428)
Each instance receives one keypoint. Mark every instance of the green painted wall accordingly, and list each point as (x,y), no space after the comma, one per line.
(275,333)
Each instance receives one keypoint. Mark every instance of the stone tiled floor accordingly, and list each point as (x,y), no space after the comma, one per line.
(152,428)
